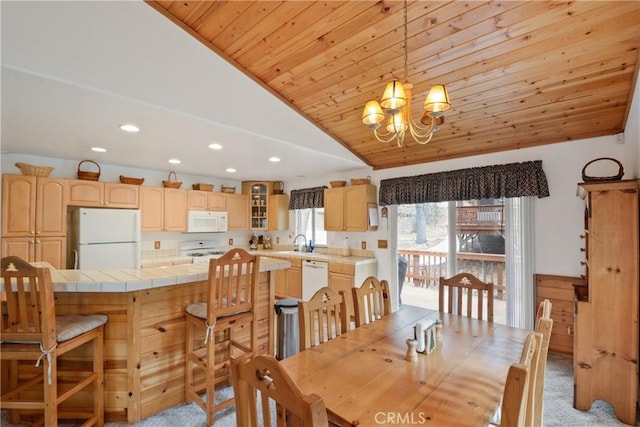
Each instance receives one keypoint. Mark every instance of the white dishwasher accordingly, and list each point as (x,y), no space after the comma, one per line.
(315,275)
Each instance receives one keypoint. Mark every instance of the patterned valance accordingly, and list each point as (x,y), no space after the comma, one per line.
(307,198)
(487,182)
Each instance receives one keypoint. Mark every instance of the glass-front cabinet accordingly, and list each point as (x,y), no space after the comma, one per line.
(259,202)
(269,208)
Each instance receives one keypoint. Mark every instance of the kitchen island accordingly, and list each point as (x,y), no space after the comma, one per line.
(144,337)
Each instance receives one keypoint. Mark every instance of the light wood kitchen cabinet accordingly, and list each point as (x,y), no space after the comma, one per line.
(102,194)
(238,212)
(278,212)
(347,208)
(175,209)
(289,281)
(268,211)
(259,199)
(163,209)
(343,277)
(606,318)
(50,249)
(34,218)
(206,201)
(151,208)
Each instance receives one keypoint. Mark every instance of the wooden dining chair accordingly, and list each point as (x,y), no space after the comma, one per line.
(229,309)
(322,318)
(468,287)
(371,301)
(265,374)
(516,388)
(33,340)
(544,325)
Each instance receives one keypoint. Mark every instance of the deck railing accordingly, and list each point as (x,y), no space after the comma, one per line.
(424,268)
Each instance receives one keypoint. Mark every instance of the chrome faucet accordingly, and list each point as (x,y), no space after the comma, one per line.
(304,248)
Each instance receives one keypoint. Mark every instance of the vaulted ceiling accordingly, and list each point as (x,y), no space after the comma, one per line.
(519,74)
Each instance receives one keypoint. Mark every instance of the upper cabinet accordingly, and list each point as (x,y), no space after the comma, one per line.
(278,208)
(33,206)
(269,211)
(237,212)
(350,208)
(102,194)
(206,201)
(163,209)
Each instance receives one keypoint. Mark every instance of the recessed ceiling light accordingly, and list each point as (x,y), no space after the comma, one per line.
(99,149)
(231,170)
(274,159)
(129,128)
(215,146)
(174,161)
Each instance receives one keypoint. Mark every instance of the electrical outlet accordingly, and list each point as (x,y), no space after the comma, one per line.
(277,239)
(230,242)
(363,245)
(156,244)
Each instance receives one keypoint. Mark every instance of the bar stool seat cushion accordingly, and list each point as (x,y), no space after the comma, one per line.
(71,326)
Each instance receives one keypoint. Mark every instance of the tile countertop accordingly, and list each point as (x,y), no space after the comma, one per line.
(318,256)
(128,280)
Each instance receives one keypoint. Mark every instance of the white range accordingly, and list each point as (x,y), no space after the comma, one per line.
(201,251)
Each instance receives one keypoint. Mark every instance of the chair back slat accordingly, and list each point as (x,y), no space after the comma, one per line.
(516,389)
(544,325)
(232,279)
(30,312)
(322,318)
(371,300)
(467,289)
(265,374)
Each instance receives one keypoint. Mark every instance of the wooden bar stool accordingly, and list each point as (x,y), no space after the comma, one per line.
(228,311)
(32,332)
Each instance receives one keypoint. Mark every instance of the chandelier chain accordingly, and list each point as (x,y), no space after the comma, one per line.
(395,107)
(406,46)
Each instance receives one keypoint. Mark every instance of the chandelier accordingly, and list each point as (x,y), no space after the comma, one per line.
(395,108)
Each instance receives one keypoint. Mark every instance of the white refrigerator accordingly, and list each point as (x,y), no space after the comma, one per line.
(102,239)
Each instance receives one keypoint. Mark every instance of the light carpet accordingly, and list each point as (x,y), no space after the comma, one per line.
(558,406)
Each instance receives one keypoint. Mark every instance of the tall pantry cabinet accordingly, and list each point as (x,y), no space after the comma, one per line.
(34,221)
(606,319)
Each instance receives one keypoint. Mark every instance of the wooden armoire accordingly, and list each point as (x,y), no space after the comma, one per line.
(606,319)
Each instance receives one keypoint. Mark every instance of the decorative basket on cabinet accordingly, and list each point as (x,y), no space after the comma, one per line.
(202,187)
(89,175)
(33,170)
(360,181)
(172,181)
(129,180)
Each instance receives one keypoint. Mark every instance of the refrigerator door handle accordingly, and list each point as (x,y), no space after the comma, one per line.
(75,259)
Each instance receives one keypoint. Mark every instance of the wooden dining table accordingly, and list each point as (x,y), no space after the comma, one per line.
(365,380)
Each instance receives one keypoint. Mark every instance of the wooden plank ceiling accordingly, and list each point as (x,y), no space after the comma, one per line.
(519,74)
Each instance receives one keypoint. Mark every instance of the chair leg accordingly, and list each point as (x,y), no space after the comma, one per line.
(211,380)
(188,383)
(50,390)
(98,367)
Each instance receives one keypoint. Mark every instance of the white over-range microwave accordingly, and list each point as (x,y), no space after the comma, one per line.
(206,222)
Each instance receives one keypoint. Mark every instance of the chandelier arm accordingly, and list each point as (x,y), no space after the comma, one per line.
(383,137)
(421,137)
